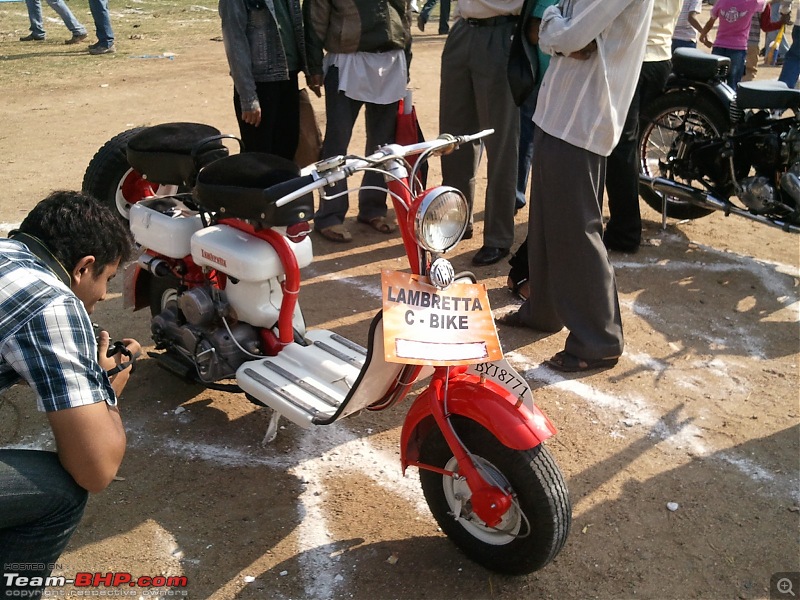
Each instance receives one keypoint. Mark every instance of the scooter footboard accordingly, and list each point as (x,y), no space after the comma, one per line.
(511,422)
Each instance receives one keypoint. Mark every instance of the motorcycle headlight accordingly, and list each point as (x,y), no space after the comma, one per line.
(440,219)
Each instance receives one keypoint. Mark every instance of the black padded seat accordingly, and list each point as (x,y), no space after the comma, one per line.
(696,64)
(234,187)
(766,94)
(164,153)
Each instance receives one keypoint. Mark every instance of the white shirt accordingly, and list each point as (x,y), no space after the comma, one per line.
(659,37)
(585,102)
(374,77)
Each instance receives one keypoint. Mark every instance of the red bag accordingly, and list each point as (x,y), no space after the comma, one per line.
(408,131)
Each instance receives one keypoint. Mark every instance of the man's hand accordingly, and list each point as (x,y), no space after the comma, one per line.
(586,52)
(315,83)
(252,117)
(119,379)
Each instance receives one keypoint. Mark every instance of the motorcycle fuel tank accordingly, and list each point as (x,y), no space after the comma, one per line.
(241,255)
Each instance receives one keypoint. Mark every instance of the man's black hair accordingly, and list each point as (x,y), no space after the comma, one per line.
(73,225)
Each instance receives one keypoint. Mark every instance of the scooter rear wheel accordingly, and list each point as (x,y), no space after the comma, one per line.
(111,180)
(534,529)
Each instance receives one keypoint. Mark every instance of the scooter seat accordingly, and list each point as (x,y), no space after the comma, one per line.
(173,153)
(767,94)
(696,64)
(234,187)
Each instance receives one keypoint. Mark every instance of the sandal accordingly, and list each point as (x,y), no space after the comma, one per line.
(518,288)
(569,363)
(379,224)
(335,233)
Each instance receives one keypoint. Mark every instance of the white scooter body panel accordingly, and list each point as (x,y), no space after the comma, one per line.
(167,231)
(243,256)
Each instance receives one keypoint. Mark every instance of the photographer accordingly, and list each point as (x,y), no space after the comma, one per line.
(53,271)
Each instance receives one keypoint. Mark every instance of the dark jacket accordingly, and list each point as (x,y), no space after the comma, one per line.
(253,45)
(385,25)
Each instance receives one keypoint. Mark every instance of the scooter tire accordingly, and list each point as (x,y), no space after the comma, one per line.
(111,180)
(537,525)
(656,141)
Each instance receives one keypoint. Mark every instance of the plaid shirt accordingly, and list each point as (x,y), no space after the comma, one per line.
(46,336)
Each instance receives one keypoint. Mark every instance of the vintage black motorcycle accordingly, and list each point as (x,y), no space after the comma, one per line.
(704,147)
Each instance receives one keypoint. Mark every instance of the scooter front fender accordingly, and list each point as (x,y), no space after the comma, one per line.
(493,407)
(136,287)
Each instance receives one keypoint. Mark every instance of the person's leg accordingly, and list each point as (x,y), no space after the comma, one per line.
(682,44)
(525,148)
(381,123)
(751,62)
(40,508)
(66,15)
(582,289)
(791,62)
(279,130)
(458,114)
(444,17)
(737,63)
(341,113)
(496,110)
(35,17)
(102,23)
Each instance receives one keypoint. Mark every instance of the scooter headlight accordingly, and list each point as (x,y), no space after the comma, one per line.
(440,219)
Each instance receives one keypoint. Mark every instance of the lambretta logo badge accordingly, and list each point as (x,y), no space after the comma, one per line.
(213,258)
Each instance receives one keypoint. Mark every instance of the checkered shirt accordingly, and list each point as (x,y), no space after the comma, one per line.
(46,336)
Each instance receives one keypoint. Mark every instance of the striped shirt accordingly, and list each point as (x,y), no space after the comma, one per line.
(585,102)
(46,336)
(683,29)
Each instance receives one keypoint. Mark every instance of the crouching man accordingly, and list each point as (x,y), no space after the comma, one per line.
(53,271)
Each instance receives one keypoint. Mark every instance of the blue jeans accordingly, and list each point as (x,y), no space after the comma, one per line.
(737,63)
(791,62)
(682,44)
(40,507)
(102,22)
(35,17)
(444,14)
(526,127)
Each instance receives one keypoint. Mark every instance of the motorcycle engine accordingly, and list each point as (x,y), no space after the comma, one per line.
(196,329)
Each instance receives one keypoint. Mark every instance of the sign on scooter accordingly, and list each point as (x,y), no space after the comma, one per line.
(424,325)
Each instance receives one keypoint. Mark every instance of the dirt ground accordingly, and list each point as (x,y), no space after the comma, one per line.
(701,411)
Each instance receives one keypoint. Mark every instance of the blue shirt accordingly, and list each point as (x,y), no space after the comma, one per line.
(46,336)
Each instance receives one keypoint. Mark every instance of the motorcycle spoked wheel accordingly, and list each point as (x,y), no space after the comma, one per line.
(110,178)
(534,529)
(659,141)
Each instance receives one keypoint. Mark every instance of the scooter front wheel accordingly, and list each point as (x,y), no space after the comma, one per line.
(535,527)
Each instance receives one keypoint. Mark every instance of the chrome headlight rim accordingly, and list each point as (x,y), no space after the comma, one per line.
(431,201)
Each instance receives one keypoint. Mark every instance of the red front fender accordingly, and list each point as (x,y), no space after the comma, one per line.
(488,404)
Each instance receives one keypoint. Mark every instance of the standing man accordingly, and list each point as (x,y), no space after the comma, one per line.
(265,48)
(475,95)
(53,271)
(366,45)
(598,49)
(791,62)
(37,33)
(624,228)
(102,27)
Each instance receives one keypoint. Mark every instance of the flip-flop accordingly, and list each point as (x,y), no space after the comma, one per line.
(380,224)
(335,233)
(569,363)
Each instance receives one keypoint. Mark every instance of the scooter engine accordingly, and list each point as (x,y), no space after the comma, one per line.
(202,330)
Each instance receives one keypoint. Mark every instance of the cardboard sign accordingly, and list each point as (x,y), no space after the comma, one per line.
(423,325)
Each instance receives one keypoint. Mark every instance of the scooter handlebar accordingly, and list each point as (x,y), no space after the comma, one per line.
(329,171)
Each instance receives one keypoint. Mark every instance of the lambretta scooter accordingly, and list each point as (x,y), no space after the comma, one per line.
(220,272)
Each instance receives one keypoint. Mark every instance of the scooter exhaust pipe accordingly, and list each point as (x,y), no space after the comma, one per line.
(706,200)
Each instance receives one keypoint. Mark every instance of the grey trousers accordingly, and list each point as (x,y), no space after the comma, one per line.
(381,122)
(572,281)
(474,95)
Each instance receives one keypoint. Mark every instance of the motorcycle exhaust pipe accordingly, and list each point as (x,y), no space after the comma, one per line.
(706,200)
(156,266)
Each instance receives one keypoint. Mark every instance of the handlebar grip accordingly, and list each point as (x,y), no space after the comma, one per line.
(278,191)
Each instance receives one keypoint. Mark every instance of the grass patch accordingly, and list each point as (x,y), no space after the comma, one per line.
(142,29)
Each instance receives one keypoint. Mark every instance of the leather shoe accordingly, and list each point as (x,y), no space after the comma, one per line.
(488,255)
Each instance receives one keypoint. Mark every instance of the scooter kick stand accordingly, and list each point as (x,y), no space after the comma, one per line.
(272,428)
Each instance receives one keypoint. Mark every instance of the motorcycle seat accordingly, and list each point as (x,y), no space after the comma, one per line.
(173,153)
(766,94)
(234,187)
(696,64)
